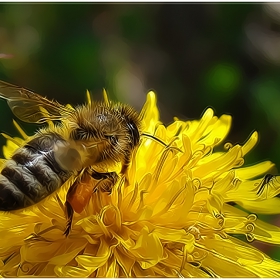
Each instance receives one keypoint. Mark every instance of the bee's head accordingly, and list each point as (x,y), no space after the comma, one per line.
(109,132)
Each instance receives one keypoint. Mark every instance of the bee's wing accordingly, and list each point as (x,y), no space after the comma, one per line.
(26,104)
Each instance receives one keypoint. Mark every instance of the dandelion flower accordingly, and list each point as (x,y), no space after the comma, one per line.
(173,217)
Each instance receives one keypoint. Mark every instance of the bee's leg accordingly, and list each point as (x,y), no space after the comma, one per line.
(106,180)
(68,209)
(124,168)
(69,215)
(125,163)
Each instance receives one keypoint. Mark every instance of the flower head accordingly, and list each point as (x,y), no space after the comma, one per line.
(172,217)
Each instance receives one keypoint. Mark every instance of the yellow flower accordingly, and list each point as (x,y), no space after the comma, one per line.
(173,218)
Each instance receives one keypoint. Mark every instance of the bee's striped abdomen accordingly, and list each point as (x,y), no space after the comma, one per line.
(31,174)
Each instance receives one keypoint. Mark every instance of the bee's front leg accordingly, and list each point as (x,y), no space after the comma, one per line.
(125,166)
(69,216)
(68,209)
(106,180)
(126,163)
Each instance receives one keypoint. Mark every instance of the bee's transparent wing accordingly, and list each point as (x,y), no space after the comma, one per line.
(26,104)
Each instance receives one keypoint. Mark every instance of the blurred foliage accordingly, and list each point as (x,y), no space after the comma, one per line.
(226,56)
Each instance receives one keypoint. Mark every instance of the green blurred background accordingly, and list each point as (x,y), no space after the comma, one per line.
(226,56)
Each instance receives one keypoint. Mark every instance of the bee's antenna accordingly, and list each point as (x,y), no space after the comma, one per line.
(154,138)
(160,141)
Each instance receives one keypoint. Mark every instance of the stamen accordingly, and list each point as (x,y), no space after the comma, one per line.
(141,202)
(120,192)
(11,139)
(105,96)
(134,196)
(172,200)
(88,97)
(160,164)
(20,130)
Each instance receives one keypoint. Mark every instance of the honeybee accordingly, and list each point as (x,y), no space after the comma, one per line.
(88,138)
